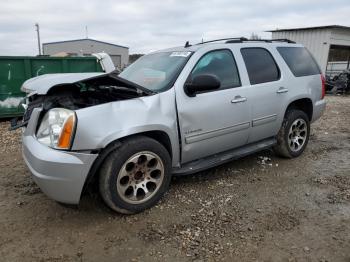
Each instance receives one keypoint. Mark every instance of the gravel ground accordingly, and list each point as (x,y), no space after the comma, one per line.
(260,208)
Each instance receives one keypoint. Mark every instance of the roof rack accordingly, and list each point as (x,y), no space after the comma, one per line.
(284,40)
(274,40)
(232,40)
(238,39)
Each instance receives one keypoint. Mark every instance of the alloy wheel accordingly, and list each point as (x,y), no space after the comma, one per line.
(140,177)
(297,135)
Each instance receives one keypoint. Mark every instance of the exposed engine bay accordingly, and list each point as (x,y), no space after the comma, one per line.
(85,93)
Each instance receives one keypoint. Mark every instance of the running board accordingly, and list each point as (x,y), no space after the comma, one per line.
(224,157)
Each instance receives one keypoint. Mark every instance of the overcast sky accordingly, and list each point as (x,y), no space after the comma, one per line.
(154,24)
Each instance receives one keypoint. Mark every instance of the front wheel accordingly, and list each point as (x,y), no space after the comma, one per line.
(293,135)
(135,176)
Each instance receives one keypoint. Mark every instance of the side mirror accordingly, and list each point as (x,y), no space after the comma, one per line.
(202,83)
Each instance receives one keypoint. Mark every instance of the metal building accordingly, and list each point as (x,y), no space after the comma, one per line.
(88,46)
(330,45)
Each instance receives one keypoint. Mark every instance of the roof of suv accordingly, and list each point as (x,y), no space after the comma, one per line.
(233,41)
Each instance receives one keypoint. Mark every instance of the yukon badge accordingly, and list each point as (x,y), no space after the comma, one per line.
(192,131)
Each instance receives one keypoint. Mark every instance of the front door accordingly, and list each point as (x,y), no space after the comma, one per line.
(214,121)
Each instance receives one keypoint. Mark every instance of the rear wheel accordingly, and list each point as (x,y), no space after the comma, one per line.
(135,176)
(293,135)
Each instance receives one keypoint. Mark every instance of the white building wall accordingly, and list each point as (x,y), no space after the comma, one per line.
(340,37)
(317,41)
(87,46)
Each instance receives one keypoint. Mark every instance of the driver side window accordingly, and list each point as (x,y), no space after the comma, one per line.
(220,63)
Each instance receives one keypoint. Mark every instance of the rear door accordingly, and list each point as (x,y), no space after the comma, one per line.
(268,92)
(215,121)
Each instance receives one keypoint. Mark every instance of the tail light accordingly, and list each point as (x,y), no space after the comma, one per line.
(323,80)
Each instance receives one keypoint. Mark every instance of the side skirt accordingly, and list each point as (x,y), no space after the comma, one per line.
(224,157)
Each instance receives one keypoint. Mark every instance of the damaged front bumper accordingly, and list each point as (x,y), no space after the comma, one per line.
(60,174)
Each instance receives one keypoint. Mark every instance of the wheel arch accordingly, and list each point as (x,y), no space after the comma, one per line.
(158,135)
(303,104)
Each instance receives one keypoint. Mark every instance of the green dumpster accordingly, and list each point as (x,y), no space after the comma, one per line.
(14,70)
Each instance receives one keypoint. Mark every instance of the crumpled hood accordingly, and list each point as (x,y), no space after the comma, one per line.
(42,84)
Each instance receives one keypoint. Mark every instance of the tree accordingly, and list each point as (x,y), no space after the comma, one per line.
(134,57)
(254,36)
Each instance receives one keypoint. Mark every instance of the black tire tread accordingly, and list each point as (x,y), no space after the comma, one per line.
(121,152)
(281,148)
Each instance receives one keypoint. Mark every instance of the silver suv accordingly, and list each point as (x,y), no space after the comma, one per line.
(175,111)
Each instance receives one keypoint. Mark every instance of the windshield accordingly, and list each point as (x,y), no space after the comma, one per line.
(158,71)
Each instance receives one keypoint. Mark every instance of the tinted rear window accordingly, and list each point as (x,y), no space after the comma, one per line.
(299,60)
(260,65)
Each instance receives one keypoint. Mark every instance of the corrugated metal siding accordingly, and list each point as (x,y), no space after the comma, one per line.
(340,37)
(317,41)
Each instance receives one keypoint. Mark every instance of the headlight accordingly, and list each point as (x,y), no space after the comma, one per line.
(57,128)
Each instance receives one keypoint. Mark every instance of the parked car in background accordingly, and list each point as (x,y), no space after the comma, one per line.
(175,111)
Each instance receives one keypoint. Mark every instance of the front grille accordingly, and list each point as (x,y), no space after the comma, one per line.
(31,105)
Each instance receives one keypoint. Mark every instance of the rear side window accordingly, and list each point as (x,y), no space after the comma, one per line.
(260,65)
(299,61)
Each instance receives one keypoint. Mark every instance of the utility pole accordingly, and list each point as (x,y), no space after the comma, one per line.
(86,32)
(38,35)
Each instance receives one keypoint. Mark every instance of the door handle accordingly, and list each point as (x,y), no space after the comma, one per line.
(282,90)
(238,99)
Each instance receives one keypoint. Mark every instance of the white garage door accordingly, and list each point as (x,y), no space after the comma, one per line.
(116,60)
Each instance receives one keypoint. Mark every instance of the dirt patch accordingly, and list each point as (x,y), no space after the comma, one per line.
(9,141)
(282,219)
(260,208)
(341,188)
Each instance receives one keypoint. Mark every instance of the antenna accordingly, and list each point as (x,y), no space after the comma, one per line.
(86,32)
(187,44)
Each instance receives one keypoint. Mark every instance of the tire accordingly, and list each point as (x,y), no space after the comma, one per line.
(135,176)
(294,134)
